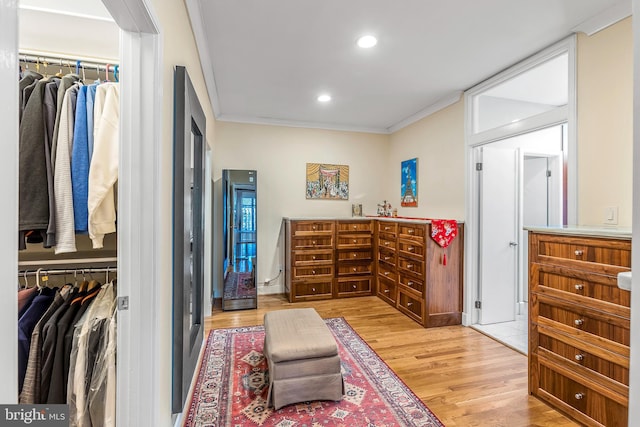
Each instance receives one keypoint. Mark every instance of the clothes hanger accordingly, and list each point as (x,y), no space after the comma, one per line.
(116,73)
(26,281)
(59,73)
(106,73)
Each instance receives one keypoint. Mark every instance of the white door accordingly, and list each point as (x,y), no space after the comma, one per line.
(499,237)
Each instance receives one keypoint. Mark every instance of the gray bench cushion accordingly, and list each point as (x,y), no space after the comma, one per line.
(295,334)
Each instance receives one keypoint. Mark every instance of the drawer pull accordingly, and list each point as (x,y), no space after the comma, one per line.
(313,257)
(579,286)
(355,269)
(411,248)
(579,357)
(355,241)
(387,228)
(313,228)
(355,255)
(313,242)
(313,272)
(355,287)
(313,289)
(409,304)
(386,243)
(409,265)
(355,227)
(409,283)
(578,252)
(410,231)
(579,396)
(579,322)
(387,258)
(386,291)
(386,273)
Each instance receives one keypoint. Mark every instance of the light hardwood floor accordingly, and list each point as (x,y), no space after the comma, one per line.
(464,377)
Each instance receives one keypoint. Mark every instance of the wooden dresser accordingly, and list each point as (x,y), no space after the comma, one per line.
(328,258)
(394,259)
(579,323)
(412,275)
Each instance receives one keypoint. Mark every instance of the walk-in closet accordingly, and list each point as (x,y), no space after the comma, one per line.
(69,119)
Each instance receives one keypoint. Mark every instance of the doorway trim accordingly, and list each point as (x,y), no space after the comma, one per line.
(566,114)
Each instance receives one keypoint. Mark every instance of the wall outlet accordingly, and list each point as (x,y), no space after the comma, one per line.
(611,215)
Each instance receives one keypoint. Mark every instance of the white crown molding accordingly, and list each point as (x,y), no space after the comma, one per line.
(298,124)
(605,19)
(197,25)
(433,108)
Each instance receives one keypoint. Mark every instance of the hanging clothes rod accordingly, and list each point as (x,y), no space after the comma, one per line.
(85,261)
(67,61)
(71,271)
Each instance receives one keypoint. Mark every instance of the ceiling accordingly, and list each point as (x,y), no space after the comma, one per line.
(267,61)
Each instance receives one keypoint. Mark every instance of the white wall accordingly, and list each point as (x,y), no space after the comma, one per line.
(605,82)
(279,155)
(438,143)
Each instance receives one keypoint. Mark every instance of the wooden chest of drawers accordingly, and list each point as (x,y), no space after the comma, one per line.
(328,259)
(412,277)
(579,326)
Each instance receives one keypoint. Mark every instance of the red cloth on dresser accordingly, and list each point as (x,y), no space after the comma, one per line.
(443,231)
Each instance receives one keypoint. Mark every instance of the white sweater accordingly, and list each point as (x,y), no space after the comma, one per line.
(103,172)
(65,226)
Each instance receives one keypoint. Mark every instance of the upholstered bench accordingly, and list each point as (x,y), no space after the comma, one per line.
(303,358)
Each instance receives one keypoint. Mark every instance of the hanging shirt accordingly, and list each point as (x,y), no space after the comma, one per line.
(27,324)
(49,115)
(28,77)
(80,164)
(65,227)
(34,175)
(91,94)
(65,83)
(103,172)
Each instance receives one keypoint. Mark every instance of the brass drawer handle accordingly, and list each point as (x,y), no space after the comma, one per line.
(386,273)
(387,228)
(579,322)
(313,228)
(355,227)
(313,272)
(386,291)
(313,242)
(355,255)
(355,287)
(579,357)
(386,243)
(313,257)
(579,286)
(411,248)
(409,265)
(355,241)
(579,252)
(387,258)
(355,269)
(410,231)
(409,304)
(579,396)
(410,283)
(313,289)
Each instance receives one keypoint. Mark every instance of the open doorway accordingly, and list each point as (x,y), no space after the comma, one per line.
(520,184)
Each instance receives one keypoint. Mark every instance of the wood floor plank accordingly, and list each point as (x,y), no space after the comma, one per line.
(464,377)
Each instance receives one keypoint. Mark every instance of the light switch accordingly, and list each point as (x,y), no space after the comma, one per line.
(611,215)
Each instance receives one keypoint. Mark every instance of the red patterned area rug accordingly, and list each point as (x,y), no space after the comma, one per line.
(232,384)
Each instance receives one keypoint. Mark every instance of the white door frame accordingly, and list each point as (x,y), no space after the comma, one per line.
(472,141)
(138,397)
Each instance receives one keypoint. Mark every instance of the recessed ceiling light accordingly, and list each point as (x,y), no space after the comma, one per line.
(367,41)
(324,98)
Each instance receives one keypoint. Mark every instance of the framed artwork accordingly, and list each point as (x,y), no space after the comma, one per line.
(330,182)
(409,183)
